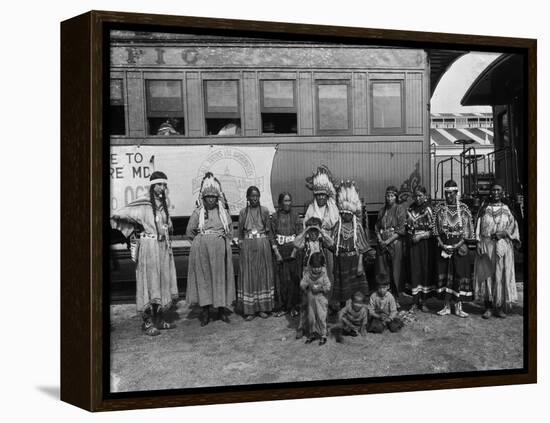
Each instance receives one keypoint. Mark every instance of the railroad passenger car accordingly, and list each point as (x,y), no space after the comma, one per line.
(266,113)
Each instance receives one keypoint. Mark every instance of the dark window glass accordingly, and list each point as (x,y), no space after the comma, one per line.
(279,123)
(279,107)
(117,115)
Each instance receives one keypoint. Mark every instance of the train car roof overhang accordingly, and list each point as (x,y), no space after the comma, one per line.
(498,84)
(440,61)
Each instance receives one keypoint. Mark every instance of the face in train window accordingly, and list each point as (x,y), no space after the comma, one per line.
(165,113)
(387,106)
(222,107)
(117,123)
(278,107)
(333,107)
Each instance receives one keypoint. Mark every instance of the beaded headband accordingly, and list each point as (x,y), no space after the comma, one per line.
(158,181)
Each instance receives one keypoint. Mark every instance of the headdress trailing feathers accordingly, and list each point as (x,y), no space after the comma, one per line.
(210,186)
(348,198)
(321,182)
(348,201)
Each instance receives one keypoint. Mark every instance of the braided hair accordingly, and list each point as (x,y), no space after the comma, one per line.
(249,192)
(158,175)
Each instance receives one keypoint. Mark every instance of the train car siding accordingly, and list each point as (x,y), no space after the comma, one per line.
(360,110)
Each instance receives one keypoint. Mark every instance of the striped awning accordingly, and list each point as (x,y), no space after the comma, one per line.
(447,136)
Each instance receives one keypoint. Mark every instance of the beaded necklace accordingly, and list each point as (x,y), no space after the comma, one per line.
(497,213)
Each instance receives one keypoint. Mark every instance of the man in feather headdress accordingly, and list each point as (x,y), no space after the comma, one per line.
(149,221)
(210,277)
(350,243)
(324,208)
(324,203)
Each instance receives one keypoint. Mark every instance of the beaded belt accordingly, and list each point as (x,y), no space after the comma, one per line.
(285,239)
(152,236)
(256,235)
(421,232)
(347,253)
(453,233)
(211,232)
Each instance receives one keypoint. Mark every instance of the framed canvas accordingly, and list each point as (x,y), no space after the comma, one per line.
(257,211)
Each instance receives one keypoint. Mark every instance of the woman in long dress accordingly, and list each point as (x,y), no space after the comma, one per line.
(390,230)
(497,231)
(255,289)
(452,227)
(156,284)
(421,249)
(210,279)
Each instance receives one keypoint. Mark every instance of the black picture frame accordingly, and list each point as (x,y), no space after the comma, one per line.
(84,101)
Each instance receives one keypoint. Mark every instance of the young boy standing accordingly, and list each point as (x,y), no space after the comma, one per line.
(315,284)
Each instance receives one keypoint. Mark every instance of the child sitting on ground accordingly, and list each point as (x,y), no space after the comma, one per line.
(383,308)
(315,284)
(353,317)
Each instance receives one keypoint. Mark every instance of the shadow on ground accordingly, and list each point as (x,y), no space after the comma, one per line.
(51,391)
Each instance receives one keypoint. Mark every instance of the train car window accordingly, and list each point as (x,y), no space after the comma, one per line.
(387,107)
(117,122)
(278,107)
(333,107)
(222,107)
(165,113)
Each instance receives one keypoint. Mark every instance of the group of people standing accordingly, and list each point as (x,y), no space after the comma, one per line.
(308,267)
(426,247)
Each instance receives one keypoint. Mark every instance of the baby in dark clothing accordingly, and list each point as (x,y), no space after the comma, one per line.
(353,318)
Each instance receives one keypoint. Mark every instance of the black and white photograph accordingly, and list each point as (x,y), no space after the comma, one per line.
(280,211)
(295,210)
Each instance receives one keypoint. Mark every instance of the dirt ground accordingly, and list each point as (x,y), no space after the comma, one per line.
(266,351)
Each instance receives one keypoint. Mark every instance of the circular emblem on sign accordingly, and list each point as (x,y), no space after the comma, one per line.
(235,171)
(190,55)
